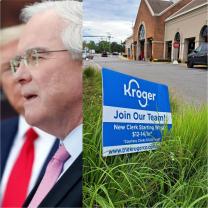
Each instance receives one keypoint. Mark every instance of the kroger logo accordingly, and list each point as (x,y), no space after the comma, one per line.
(133,90)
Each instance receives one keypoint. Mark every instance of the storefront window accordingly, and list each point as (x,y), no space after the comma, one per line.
(141,33)
(204,33)
(177,37)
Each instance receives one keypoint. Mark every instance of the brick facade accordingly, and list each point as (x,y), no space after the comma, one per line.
(154,30)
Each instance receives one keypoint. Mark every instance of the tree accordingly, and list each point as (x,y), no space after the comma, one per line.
(103,46)
(115,47)
(91,45)
(84,44)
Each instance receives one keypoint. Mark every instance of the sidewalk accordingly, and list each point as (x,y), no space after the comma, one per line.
(153,62)
(91,63)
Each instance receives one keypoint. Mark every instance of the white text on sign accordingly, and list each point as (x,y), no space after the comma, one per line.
(143,96)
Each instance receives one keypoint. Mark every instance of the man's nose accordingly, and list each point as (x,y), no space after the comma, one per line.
(23,74)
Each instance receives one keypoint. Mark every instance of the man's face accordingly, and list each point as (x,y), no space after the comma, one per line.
(10,86)
(52,89)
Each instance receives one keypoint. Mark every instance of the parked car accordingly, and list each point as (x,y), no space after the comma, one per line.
(84,55)
(198,56)
(104,54)
(115,53)
(87,55)
(90,56)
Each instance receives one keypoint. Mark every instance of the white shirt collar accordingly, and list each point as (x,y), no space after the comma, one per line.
(23,126)
(73,142)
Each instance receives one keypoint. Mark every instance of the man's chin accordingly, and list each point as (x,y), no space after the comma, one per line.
(31,117)
(36,118)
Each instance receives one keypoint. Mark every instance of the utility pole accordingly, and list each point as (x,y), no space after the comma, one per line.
(109,37)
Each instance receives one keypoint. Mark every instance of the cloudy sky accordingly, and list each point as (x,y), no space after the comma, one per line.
(104,18)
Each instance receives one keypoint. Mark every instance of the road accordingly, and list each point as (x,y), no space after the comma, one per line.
(188,85)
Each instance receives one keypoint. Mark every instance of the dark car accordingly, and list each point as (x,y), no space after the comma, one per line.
(198,56)
(104,54)
(115,53)
(87,55)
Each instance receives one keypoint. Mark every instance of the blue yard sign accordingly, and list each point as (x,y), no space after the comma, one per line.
(135,112)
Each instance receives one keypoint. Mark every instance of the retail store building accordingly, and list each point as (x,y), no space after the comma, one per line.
(169,29)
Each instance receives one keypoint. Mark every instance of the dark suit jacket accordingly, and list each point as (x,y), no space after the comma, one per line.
(9,129)
(67,192)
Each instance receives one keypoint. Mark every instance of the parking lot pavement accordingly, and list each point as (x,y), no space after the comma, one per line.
(189,85)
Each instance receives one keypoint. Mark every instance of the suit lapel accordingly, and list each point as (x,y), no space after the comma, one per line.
(52,152)
(50,155)
(8,132)
(62,187)
(30,196)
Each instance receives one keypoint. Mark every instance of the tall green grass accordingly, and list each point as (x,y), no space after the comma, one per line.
(175,175)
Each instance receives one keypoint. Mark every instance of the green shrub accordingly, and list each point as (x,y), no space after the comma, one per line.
(90,71)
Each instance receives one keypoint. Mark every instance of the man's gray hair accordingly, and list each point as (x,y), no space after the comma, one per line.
(70,11)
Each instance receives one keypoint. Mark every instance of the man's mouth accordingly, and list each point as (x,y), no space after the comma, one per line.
(30,97)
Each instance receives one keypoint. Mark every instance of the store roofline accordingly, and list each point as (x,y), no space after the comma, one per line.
(185,12)
(161,13)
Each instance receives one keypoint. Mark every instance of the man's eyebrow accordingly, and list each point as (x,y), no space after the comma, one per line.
(39,49)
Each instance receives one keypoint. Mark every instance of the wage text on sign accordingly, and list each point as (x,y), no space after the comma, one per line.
(135,113)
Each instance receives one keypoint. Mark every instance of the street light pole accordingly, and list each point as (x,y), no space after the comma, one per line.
(109,37)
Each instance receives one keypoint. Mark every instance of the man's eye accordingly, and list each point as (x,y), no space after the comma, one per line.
(37,56)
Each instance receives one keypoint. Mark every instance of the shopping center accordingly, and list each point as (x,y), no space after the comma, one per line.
(168,30)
